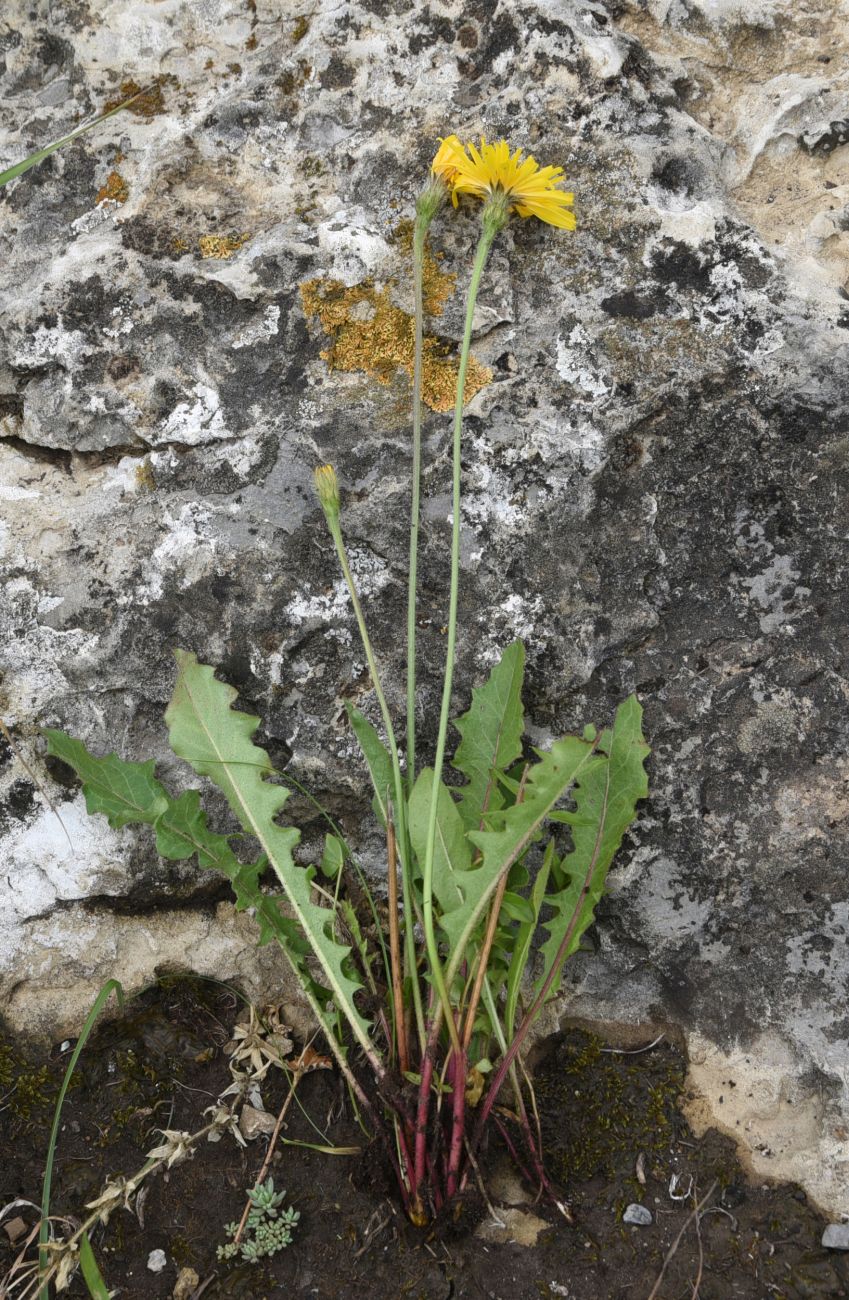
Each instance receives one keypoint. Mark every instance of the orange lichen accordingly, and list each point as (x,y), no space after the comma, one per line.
(369,333)
(148,104)
(221,247)
(114,188)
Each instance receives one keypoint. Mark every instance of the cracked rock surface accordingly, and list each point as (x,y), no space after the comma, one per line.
(655,472)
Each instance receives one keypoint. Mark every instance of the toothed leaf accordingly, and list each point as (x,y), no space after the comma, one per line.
(491,733)
(606,794)
(215,739)
(123,792)
(512,830)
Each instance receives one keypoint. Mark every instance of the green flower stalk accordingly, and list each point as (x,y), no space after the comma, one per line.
(494,218)
(327,488)
(429,202)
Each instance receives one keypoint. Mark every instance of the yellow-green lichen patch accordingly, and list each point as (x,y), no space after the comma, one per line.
(145,477)
(114,188)
(369,333)
(221,247)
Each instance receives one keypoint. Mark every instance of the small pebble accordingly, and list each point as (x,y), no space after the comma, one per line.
(156,1261)
(639,1215)
(836,1236)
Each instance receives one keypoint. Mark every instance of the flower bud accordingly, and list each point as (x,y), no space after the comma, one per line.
(327,487)
(431,200)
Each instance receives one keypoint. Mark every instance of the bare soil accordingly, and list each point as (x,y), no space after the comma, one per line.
(613,1134)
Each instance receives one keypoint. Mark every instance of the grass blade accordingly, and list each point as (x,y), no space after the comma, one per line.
(34,159)
(92,1276)
(110,987)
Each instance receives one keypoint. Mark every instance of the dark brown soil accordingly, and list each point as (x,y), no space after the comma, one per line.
(162,1063)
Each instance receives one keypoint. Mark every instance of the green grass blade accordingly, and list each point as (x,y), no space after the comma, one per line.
(92,1276)
(39,156)
(110,987)
(378,759)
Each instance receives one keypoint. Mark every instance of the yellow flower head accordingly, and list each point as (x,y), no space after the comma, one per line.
(492,172)
(450,157)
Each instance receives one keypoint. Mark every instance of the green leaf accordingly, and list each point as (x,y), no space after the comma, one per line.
(452,856)
(128,792)
(333,857)
(517,908)
(216,740)
(606,796)
(522,943)
(92,1276)
(491,734)
(379,762)
(513,830)
(123,792)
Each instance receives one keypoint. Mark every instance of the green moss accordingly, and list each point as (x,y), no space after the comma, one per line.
(601,1114)
(30,1092)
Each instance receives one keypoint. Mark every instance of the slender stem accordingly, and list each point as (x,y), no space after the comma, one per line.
(421,1120)
(395,949)
(458,1115)
(400,805)
(419,235)
(484,245)
(489,937)
(532,1012)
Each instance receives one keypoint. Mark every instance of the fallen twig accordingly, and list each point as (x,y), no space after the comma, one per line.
(698,1281)
(296,1078)
(677,1242)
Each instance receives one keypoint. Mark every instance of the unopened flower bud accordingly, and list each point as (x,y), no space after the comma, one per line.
(431,200)
(327,487)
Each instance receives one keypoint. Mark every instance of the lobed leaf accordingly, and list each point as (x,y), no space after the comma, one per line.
(126,792)
(123,792)
(215,739)
(513,830)
(606,795)
(491,736)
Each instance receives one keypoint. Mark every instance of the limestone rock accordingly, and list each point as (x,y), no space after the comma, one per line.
(516,1227)
(655,478)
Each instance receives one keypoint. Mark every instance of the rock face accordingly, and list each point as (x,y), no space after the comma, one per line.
(655,473)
